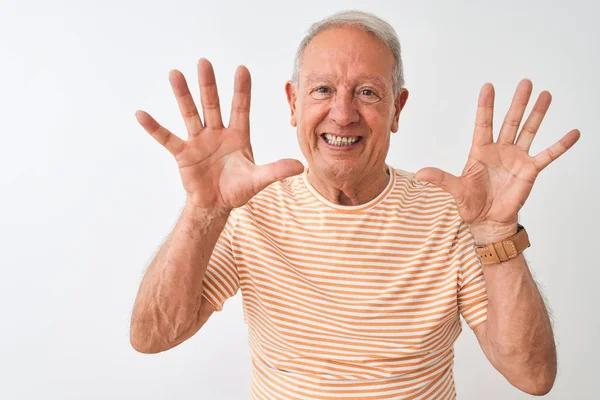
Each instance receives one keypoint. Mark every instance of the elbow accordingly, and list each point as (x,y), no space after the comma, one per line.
(533,374)
(542,391)
(143,344)
(144,347)
(147,340)
(538,386)
(143,341)
(539,381)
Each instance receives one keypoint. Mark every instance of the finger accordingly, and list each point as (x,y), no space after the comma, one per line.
(443,179)
(240,105)
(209,96)
(514,116)
(264,175)
(485,116)
(533,122)
(186,104)
(543,159)
(171,142)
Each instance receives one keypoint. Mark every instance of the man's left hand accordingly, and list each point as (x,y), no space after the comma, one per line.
(499,176)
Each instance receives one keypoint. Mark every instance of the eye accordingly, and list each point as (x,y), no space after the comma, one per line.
(321,92)
(367,92)
(368,95)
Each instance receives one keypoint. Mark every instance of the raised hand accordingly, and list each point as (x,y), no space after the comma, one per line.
(216,162)
(499,176)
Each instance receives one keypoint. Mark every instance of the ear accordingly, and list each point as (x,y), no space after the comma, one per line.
(290,92)
(399,103)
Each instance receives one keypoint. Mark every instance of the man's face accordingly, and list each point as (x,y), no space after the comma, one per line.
(344,107)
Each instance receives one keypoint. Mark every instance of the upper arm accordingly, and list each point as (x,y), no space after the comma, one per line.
(472,293)
(481,334)
(221,280)
(204,313)
(206,310)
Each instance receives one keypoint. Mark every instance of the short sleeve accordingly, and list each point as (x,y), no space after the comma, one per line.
(221,280)
(472,295)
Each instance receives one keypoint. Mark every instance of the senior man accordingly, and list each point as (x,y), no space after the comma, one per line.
(353,273)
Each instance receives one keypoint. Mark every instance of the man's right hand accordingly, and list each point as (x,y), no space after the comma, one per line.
(216,162)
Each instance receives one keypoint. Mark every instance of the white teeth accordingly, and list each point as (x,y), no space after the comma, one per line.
(339,140)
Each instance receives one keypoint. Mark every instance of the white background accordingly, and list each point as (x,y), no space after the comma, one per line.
(87,197)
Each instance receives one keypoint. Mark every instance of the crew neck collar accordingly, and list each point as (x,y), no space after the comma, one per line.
(360,207)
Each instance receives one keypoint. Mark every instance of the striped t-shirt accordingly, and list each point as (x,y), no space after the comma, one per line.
(350,302)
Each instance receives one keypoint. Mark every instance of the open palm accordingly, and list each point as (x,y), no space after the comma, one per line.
(499,176)
(216,163)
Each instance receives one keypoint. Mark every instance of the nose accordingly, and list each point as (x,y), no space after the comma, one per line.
(343,109)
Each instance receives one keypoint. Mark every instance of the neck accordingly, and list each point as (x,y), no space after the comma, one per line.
(351,191)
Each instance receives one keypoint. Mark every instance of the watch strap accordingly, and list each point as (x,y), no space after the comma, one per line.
(504,250)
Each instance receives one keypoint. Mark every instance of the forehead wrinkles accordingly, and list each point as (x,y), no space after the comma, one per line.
(345,61)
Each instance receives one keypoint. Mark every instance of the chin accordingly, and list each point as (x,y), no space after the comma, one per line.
(339,170)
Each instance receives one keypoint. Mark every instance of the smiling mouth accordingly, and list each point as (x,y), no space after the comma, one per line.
(340,141)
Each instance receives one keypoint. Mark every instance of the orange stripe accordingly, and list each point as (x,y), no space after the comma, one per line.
(358,302)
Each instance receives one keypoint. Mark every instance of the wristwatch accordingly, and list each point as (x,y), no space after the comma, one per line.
(504,250)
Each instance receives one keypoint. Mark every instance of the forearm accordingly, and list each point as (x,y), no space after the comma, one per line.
(518,333)
(170,294)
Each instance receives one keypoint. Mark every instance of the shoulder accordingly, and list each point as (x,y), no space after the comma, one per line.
(278,196)
(428,205)
(285,190)
(422,194)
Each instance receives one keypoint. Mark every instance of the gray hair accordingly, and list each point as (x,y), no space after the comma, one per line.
(363,20)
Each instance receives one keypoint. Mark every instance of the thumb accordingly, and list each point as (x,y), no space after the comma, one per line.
(443,179)
(266,174)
